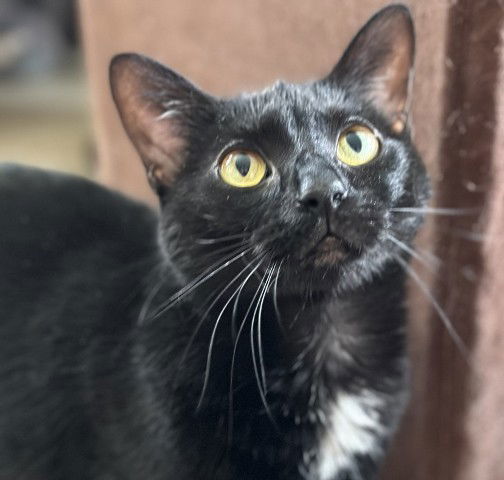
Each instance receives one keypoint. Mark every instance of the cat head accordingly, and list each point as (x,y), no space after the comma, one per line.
(302,175)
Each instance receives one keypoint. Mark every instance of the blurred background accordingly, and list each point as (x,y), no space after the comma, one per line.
(56,112)
(44,114)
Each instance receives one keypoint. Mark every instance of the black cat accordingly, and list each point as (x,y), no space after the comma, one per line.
(255,328)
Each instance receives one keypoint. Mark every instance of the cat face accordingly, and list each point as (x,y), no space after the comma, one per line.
(303,175)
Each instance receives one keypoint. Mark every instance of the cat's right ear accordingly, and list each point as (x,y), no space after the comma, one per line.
(158,108)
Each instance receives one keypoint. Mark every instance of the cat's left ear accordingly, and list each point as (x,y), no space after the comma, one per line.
(378,64)
(158,109)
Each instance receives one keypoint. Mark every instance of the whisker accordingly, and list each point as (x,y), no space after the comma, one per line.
(275,299)
(430,257)
(438,211)
(259,322)
(427,259)
(469,235)
(210,300)
(224,248)
(441,313)
(229,284)
(199,280)
(233,361)
(148,301)
(212,241)
(412,252)
(235,308)
(216,255)
(303,306)
(252,324)
(254,360)
(214,331)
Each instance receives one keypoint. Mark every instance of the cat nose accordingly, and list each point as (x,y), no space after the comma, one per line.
(322,200)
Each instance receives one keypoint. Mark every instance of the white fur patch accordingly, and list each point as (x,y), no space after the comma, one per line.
(352,427)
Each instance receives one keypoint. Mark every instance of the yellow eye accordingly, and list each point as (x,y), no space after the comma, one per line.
(242,169)
(357,145)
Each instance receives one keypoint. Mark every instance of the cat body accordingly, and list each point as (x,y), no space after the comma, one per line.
(74,370)
(255,326)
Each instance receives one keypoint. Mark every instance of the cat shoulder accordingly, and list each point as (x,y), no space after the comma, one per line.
(39,207)
(59,195)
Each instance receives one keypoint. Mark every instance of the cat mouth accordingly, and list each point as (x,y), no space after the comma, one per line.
(330,250)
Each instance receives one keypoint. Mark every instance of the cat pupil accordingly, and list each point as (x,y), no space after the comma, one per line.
(242,163)
(354,141)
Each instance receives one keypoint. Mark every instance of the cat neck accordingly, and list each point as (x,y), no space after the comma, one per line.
(273,383)
(285,342)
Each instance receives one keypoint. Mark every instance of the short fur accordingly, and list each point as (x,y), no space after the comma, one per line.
(217,340)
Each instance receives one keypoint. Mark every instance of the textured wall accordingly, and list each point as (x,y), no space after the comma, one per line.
(485,419)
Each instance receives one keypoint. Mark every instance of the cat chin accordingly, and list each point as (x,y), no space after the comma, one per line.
(329,252)
(323,271)
(331,272)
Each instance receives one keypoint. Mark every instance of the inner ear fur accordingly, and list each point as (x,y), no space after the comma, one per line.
(378,64)
(157,108)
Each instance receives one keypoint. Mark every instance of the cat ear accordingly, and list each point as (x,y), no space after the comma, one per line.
(378,64)
(158,108)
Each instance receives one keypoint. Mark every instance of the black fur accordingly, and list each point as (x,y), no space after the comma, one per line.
(105,370)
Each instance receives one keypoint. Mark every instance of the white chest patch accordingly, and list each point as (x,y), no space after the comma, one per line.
(353,425)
